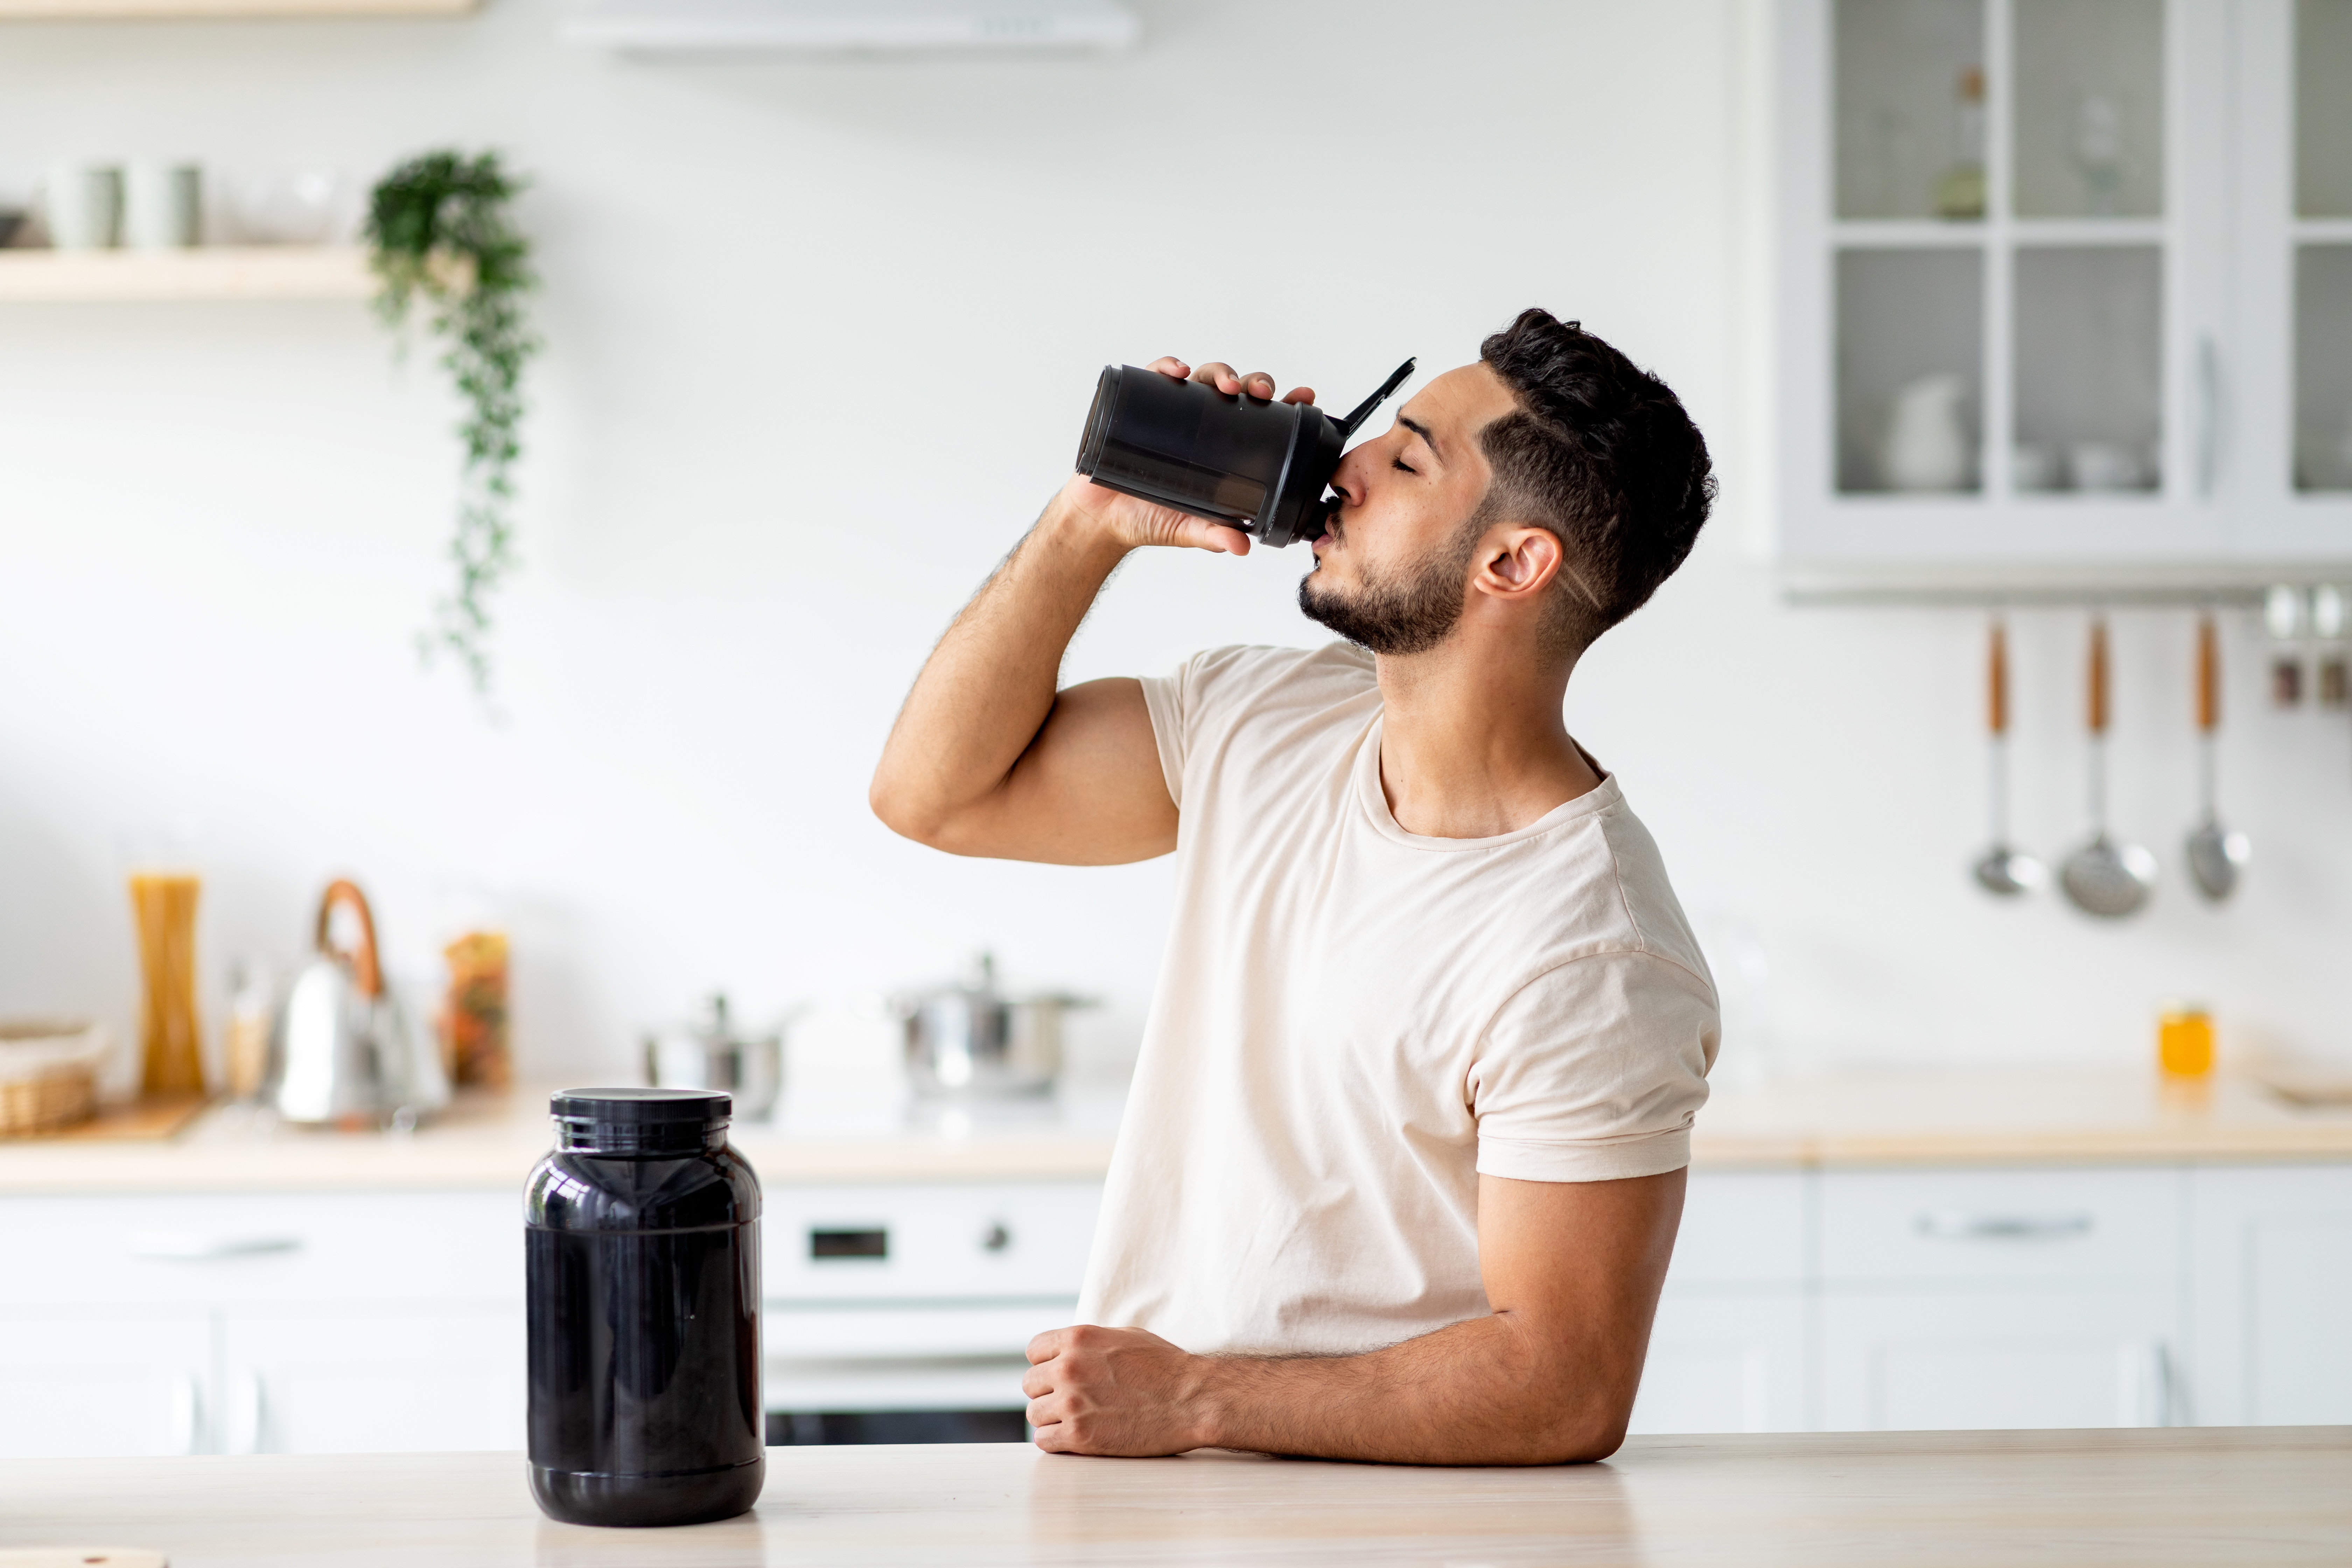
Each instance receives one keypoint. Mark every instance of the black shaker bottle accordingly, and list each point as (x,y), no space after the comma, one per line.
(1256,466)
(642,1261)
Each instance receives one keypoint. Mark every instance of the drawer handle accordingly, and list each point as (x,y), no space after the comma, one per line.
(1951,1224)
(995,1238)
(193,1246)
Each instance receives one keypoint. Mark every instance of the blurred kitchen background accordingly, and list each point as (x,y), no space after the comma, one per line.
(2026,310)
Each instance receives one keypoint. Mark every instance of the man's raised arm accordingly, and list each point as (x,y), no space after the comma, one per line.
(987,758)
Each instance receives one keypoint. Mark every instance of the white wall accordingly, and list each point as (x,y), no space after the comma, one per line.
(819,336)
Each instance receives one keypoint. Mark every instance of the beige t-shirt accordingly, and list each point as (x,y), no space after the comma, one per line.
(1354,1022)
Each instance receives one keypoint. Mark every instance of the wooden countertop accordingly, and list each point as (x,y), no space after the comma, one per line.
(493,1140)
(2016,1116)
(2012,1117)
(2250,1497)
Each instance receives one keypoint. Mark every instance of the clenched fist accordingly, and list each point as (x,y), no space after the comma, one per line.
(1116,1390)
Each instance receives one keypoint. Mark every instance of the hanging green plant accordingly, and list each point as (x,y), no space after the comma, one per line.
(440,232)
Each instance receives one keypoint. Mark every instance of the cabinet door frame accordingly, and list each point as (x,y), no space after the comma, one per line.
(2140,1321)
(2227,1206)
(2187,525)
(97,1346)
(265,1350)
(2259,395)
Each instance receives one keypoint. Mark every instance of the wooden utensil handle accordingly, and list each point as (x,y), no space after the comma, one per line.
(2209,676)
(2099,676)
(365,969)
(1997,681)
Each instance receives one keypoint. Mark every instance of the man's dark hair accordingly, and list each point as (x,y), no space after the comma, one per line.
(1600,453)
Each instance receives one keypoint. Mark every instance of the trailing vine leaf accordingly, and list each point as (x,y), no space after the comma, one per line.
(439,231)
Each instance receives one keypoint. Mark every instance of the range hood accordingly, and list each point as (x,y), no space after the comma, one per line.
(854,26)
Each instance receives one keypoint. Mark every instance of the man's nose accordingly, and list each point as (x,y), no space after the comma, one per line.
(1348,478)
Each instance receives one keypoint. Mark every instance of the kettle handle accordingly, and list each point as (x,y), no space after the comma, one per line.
(367,970)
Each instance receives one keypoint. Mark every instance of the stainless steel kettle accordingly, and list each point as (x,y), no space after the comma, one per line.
(342,1050)
(967,1040)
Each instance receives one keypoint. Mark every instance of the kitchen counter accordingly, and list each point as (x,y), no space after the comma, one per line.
(2008,1117)
(493,1140)
(2250,1497)
(2012,1116)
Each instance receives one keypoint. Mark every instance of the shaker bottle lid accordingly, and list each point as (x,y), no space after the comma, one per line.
(643,1106)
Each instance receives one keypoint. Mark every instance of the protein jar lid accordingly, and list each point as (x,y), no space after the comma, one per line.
(640,1121)
(661,1107)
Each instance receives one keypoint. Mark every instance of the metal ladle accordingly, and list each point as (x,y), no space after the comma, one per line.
(2002,870)
(2103,878)
(2215,857)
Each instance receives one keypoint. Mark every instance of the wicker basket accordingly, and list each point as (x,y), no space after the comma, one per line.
(48,1074)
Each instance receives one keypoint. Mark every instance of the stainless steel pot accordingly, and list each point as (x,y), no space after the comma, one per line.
(967,1040)
(707,1054)
(342,1049)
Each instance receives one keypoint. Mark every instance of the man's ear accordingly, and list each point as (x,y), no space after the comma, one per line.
(1517,563)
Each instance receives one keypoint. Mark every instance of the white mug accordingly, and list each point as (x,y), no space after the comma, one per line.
(2106,466)
(83,204)
(160,203)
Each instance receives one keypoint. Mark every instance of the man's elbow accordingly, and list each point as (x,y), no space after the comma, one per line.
(905,813)
(1584,1442)
(1578,1429)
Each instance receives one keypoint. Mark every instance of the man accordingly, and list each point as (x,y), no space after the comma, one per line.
(1403,1161)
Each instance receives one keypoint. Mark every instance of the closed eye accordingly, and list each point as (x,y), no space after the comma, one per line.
(1401,463)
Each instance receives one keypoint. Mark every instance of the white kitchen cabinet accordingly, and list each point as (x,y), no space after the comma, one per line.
(2273,1294)
(359,1380)
(1797,1300)
(262,1322)
(2063,286)
(272,1249)
(104,1382)
(1989,1228)
(1736,1361)
(2068,1356)
(1729,1350)
(2002,1298)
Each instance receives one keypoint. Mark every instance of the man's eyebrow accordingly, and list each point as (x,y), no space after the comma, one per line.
(1418,428)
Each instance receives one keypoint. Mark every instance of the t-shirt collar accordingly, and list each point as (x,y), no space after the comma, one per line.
(1374,803)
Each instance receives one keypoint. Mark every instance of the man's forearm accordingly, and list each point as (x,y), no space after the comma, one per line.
(989,685)
(1485,1391)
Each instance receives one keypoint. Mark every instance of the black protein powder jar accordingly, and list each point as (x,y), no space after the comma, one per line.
(642,1256)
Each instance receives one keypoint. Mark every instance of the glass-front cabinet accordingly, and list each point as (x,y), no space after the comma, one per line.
(2065,284)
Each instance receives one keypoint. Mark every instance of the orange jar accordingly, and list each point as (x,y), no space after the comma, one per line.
(2184,1040)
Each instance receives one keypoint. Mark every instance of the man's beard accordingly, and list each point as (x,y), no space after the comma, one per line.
(1394,617)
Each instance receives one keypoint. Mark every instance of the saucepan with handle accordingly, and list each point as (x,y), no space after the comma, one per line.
(968,1041)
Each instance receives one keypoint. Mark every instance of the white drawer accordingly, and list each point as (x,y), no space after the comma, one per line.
(158,1249)
(1740,1229)
(1986,1226)
(928,1242)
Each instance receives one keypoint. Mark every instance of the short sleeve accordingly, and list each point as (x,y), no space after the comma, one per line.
(1219,688)
(1594,1071)
(1165,697)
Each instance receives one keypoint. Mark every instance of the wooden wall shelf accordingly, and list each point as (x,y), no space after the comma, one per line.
(217,272)
(193,10)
